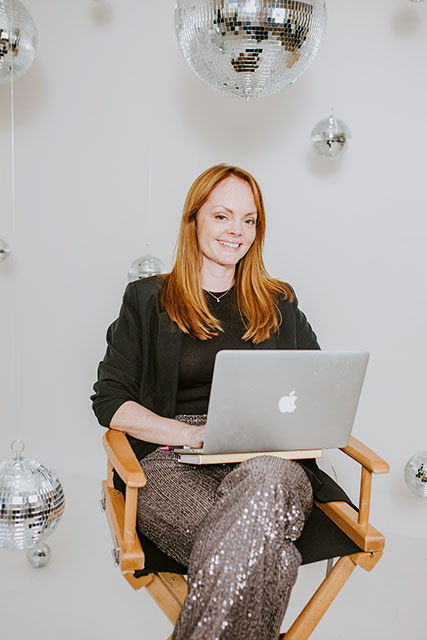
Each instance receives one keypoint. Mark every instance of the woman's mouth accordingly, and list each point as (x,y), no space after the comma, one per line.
(230,245)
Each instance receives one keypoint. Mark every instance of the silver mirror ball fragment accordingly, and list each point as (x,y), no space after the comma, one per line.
(31,501)
(4,250)
(331,137)
(144,267)
(18,40)
(249,48)
(416,474)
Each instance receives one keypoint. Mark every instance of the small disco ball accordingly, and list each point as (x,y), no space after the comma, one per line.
(4,250)
(331,137)
(144,267)
(31,501)
(416,474)
(18,40)
(249,48)
(39,555)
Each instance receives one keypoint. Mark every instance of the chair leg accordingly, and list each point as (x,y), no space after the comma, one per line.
(307,620)
(137,583)
(169,591)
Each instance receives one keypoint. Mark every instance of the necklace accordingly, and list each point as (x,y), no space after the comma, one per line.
(217,298)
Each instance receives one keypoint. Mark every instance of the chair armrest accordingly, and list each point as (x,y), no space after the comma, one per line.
(371,463)
(347,519)
(123,459)
(365,456)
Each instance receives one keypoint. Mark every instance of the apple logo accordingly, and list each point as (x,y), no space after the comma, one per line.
(287,403)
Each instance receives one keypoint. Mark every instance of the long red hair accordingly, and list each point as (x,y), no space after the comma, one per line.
(256,291)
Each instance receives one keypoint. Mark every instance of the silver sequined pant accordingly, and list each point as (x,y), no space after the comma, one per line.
(234,527)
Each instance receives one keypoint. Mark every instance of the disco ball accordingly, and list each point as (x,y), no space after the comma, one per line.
(39,555)
(144,267)
(31,501)
(18,40)
(4,250)
(331,137)
(416,474)
(252,48)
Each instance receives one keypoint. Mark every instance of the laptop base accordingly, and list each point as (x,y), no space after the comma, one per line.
(223,458)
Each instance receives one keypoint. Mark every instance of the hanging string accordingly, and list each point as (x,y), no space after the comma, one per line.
(12,133)
(195,172)
(14,232)
(149,194)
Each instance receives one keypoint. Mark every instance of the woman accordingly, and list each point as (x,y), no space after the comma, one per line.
(232,525)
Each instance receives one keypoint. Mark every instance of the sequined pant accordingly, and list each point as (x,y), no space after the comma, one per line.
(234,527)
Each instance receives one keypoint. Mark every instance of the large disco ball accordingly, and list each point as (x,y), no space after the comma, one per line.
(144,267)
(252,48)
(331,137)
(416,474)
(18,40)
(31,501)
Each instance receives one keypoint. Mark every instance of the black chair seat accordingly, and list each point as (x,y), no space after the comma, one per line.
(321,539)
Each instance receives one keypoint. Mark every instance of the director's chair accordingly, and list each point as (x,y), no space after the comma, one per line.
(333,530)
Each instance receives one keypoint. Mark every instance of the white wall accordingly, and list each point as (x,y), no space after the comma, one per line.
(109,99)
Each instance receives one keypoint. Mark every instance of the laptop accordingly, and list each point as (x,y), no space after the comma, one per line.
(278,400)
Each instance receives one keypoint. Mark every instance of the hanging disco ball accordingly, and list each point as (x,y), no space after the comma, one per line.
(4,250)
(252,48)
(144,267)
(416,474)
(331,137)
(31,501)
(18,40)
(39,555)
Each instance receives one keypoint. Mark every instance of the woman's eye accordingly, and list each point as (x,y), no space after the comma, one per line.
(219,216)
(251,221)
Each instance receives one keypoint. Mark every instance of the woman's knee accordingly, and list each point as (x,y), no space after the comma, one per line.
(271,475)
(273,470)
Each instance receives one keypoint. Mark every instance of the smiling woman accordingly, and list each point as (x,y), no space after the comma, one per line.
(220,244)
(233,526)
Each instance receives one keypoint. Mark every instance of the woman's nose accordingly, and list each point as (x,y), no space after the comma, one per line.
(234,228)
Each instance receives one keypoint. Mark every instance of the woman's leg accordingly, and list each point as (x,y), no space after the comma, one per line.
(243,562)
(175,500)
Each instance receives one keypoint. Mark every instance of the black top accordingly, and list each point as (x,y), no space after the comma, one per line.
(143,358)
(198,356)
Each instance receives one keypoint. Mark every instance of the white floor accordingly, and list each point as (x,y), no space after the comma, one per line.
(80,595)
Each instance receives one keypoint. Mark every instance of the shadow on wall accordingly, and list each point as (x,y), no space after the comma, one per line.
(30,93)
(224,121)
(322,167)
(101,13)
(406,21)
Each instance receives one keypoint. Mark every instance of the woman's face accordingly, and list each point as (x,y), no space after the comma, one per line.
(226,223)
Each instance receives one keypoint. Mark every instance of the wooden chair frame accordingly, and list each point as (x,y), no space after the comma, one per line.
(169,589)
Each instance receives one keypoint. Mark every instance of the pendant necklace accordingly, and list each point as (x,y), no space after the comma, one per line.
(217,298)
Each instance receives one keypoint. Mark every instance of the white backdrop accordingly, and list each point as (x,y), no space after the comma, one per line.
(110,101)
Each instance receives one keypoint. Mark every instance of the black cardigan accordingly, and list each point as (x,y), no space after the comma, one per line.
(142,363)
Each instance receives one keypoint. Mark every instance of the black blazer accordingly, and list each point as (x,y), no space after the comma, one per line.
(142,364)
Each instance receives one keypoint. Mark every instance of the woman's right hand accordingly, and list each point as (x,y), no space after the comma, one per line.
(194,436)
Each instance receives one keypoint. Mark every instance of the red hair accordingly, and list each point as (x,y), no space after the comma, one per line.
(256,291)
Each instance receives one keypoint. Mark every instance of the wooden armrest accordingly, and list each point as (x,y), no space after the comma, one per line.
(371,463)
(123,459)
(365,456)
(346,518)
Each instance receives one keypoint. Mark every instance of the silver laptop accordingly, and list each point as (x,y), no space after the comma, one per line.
(275,400)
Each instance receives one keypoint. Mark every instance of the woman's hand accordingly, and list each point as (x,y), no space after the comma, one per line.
(194,436)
